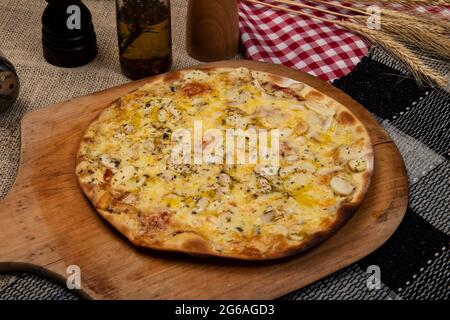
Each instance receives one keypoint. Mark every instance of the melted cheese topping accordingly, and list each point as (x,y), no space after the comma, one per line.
(231,206)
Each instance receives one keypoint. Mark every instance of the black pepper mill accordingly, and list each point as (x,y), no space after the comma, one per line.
(9,83)
(68,36)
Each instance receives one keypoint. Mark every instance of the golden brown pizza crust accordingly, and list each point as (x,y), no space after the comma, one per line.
(157,233)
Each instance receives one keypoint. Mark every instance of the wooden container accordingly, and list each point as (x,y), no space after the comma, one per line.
(212,29)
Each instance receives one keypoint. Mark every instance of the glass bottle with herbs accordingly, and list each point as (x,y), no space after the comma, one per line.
(145,43)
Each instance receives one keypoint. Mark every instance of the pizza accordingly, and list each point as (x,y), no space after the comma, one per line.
(166,185)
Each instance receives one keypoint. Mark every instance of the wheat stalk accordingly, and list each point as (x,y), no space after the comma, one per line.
(417,23)
(420,71)
(403,2)
(389,42)
(434,24)
(415,36)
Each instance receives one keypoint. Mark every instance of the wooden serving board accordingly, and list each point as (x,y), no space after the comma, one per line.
(46,224)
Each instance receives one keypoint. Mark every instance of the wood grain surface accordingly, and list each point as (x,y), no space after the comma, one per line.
(46,224)
(212,30)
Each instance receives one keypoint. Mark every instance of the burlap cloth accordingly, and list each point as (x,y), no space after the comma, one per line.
(43,84)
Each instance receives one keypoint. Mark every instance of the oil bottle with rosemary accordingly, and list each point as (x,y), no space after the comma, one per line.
(145,43)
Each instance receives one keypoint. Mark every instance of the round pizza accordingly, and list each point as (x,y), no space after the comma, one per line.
(226,162)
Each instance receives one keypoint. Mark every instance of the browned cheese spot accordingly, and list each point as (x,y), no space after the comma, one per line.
(195,88)
(315,96)
(360,129)
(104,201)
(172,76)
(345,118)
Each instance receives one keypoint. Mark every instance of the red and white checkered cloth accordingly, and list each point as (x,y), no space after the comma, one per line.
(321,49)
(302,43)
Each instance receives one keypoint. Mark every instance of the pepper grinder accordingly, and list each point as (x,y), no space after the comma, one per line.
(68,36)
(212,29)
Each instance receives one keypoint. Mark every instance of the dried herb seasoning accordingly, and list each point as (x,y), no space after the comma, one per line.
(144,33)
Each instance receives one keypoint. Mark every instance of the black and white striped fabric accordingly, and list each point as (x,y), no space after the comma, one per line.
(415,262)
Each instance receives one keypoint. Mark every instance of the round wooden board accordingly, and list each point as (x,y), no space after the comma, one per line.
(48,225)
